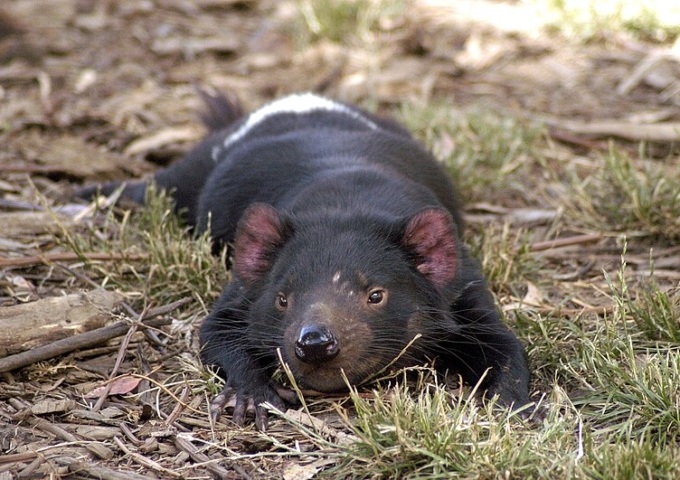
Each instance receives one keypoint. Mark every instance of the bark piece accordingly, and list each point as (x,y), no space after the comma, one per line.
(30,325)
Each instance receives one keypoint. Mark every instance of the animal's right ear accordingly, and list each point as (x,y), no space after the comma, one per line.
(260,233)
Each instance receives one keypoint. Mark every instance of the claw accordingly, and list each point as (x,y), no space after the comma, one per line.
(250,409)
(261,418)
(218,403)
(239,415)
(250,404)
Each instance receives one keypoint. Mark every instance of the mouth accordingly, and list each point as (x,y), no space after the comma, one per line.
(334,376)
(322,378)
(325,380)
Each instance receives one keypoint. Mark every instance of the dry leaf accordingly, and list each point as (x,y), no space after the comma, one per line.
(295,471)
(534,296)
(119,386)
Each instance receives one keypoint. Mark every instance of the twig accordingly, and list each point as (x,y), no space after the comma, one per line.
(97,449)
(206,461)
(30,168)
(179,408)
(565,242)
(119,359)
(565,312)
(165,308)
(18,457)
(96,470)
(576,140)
(66,257)
(658,132)
(143,461)
(16,205)
(85,340)
(647,65)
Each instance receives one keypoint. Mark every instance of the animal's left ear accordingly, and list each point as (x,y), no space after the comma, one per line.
(431,235)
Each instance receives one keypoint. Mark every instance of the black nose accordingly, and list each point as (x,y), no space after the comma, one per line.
(316,344)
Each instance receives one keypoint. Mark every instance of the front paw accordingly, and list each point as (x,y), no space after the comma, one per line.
(248,402)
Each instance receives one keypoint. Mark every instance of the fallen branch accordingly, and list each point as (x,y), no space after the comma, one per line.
(27,326)
(85,340)
(66,257)
(21,457)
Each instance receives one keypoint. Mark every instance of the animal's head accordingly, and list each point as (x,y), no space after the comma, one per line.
(343,293)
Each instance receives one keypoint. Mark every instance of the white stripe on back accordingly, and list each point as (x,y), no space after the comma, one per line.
(298,103)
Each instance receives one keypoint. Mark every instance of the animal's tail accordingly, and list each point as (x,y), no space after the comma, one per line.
(221,111)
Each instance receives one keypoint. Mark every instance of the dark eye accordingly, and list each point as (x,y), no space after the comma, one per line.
(282,301)
(376,297)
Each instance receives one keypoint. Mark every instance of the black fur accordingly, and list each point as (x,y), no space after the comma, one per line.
(347,246)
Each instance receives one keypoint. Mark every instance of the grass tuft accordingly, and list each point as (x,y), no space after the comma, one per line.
(159,253)
(590,20)
(483,152)
(435,434)
(616,193)
(351,22)
(641,198)
(656,312)
(631,382)
(638,459)
(505,257)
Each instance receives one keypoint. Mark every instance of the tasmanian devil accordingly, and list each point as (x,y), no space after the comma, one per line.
(347,247)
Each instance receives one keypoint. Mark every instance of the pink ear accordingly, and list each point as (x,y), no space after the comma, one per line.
(432,236)
(259,234)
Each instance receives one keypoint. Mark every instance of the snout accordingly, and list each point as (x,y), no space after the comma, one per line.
(316,344)
(329,345)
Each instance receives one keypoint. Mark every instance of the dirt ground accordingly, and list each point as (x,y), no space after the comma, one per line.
(96,90)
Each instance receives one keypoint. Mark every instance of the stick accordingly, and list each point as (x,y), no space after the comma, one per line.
(575,140)
(96,470)
(84,340)
(145,462)
(207,462)
(101,451)
(65,257)
(564,242)
(119,359)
